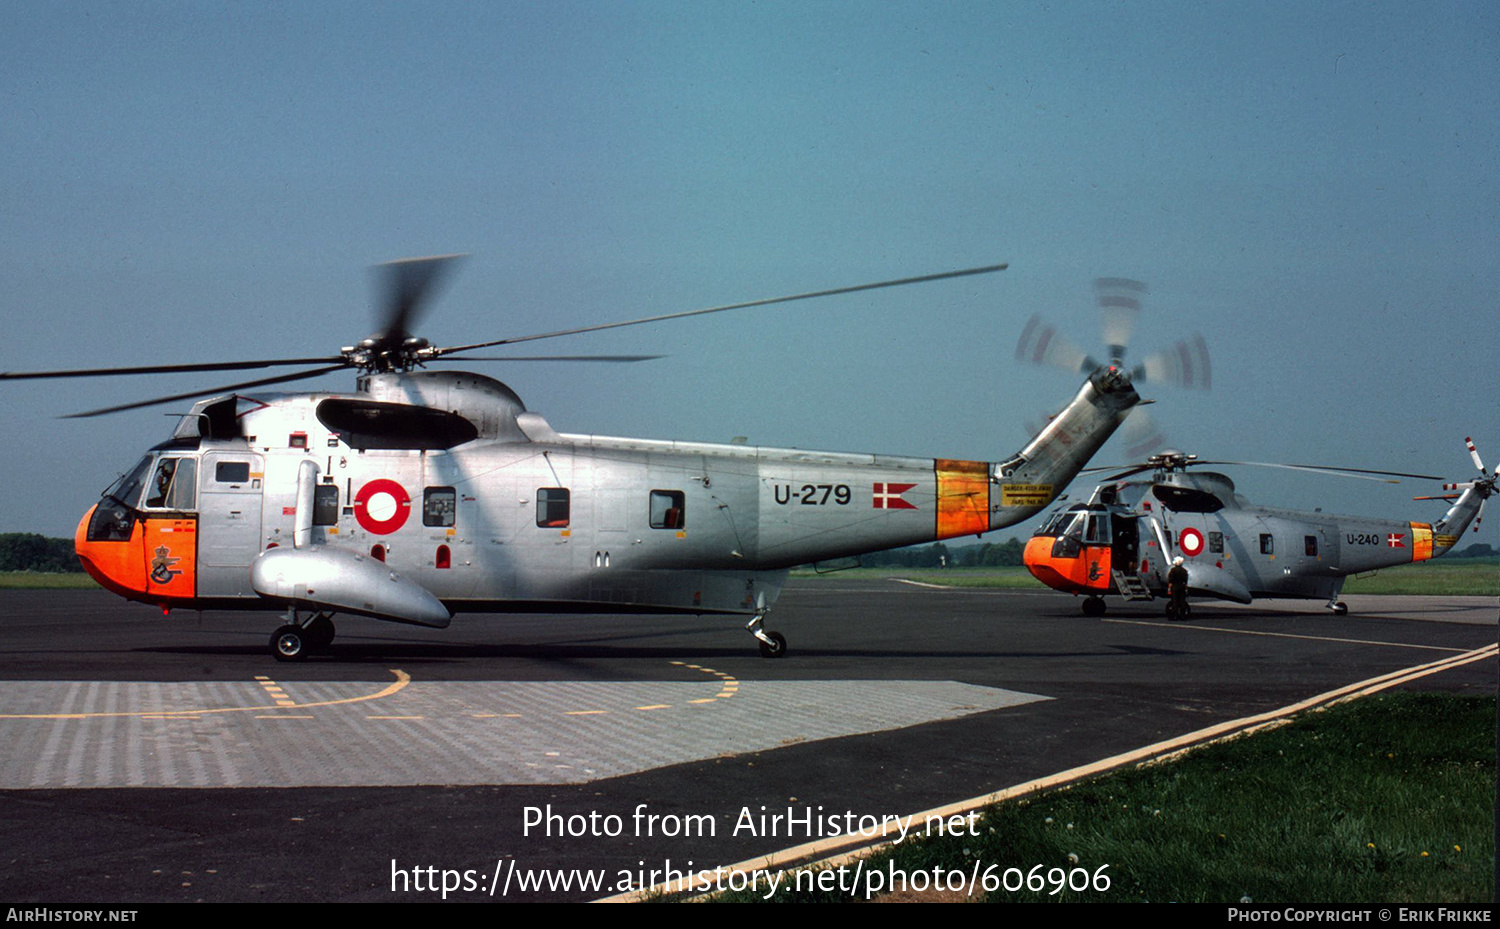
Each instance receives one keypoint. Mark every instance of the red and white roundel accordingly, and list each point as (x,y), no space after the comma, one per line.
(382,506)
(1191,542)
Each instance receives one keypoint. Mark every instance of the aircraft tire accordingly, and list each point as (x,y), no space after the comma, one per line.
(776,648)
(289,643)
(1340,608)
(1094,606)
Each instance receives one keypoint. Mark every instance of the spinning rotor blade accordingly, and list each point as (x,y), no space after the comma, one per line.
(1042,344)
(407,284)
(1120,302)
(1142,434)
(1185,364)
(281,379)
(439,352)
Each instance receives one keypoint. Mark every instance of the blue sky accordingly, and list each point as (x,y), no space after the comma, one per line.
(1311,186)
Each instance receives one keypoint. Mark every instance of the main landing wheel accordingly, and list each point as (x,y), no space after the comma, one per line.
(1093,606)
(776,648)
(289,643)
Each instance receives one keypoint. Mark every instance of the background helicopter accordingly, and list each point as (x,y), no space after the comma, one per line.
(425,493)
(1122,541)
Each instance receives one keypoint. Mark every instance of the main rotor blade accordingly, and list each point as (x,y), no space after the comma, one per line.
(617,358)
(1325,469)
(167,369)
(300,375)
(408,283)
(719,309)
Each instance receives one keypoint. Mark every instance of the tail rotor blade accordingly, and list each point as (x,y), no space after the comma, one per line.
(1186,364)
(1120,301)
(1042,344)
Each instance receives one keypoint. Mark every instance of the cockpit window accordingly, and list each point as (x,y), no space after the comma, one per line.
(127,489)
(173,485)
(1098,532)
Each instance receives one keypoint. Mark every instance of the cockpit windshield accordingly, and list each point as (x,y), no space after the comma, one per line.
(127,489)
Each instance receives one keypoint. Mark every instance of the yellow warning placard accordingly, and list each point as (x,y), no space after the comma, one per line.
(1025,494)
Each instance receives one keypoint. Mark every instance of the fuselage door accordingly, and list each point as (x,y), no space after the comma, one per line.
(229,536)
(1125,543)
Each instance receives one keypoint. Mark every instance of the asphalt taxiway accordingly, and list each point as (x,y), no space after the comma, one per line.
(149,758)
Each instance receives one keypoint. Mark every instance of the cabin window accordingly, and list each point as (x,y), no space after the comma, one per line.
(326,505)
(439,506)
(1098,531)
(174,485)
(232,472)
(553,508)
(1267,546)
(1216,542)
(1310,544)
(667,509)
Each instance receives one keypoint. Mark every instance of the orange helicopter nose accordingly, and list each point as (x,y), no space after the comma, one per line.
(1086,572)
(116,564)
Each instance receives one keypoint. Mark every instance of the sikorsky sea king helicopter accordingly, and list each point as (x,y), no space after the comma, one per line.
(1123,540)
(427,493)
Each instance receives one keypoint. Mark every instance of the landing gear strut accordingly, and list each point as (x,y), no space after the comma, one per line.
(293,641)
(772,644)
(1339,607)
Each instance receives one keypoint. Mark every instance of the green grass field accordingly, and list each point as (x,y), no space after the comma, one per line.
(35,580)
(1389,799)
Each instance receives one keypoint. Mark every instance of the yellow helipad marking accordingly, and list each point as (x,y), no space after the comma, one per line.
(402,679)
(285,716)
(728,688)
(395,717)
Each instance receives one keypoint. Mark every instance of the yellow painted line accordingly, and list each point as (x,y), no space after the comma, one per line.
(799,854)
(402,679)
(1284,635)
(285,716)
(485,715)
(168,716)
(395,717)
(656,706)
(585,712)
(261,677)
(705,700)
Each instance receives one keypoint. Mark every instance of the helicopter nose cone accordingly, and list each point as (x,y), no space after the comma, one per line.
(116,565)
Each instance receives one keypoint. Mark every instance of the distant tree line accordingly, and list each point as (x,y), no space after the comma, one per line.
(937,555)
(1477,550)
(27,551)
